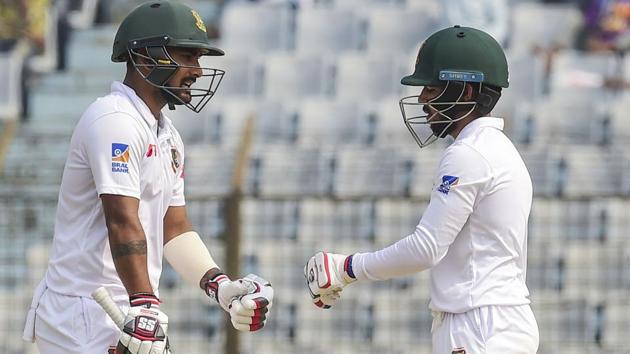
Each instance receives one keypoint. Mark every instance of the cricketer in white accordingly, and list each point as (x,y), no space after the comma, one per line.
(121,206)
(473,234)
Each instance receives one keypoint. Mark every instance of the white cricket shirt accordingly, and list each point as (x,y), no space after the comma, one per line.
(473,234)
(117,147)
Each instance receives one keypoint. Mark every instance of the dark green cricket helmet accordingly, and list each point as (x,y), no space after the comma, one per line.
(461,54)
(168,23)
(144,38)
(452,58)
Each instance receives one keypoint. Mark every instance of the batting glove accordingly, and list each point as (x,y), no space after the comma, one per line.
(247,300)
(326,275)
(145,327)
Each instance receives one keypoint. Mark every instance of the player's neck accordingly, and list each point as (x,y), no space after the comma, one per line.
(460,125)
(148,94)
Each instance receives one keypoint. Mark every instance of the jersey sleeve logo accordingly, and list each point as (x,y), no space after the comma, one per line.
(120,157)
(447,183)
(120,152)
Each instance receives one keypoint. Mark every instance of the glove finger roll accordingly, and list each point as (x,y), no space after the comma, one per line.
(255,303)
(248,327)
(248,320)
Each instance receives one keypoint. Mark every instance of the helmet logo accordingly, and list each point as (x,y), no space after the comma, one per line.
(198,20)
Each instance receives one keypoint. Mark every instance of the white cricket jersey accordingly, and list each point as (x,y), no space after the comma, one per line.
(117,147)
(473,234)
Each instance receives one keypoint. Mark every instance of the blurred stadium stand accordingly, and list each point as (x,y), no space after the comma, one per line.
(333,167)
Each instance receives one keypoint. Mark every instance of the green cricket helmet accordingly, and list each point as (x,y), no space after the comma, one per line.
(451,58)
(153,27)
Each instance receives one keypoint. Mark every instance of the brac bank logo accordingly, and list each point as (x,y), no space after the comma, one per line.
(120,157)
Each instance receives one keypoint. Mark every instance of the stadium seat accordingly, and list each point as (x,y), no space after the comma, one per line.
(582,75)
(616,328)
(527,84)
(205,215)
(396,219)
(563,321)
(545,267)
(391,311)
(226,121)
(327,122)
(592,269)
(248,28)
(291,77)
(242,79)
(280,170)
(389,127)
(425,168)
(609,219)
(366,78)
(559,28)
(546,122)
(327,31)
(12,321)
(92,51)
(348,225)
(617,131)
(60,106)
(368,172)
(591,171)
(208,170)
(393,30)
(272,221)
(546,169)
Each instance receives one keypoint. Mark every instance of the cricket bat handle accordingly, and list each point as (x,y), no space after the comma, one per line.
(102,297)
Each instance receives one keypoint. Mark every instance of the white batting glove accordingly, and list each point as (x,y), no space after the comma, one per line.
(249,312)
(326,275)
(145,327)
(247,300)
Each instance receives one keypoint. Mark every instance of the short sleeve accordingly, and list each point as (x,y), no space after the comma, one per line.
(113,145)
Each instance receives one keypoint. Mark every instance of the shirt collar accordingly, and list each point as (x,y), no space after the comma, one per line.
(138,103)
(480,123)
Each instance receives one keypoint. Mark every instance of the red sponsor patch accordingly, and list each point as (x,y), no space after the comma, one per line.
(152,151)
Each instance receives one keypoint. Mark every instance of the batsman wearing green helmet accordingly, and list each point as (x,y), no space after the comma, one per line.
(121,206)
(472,237)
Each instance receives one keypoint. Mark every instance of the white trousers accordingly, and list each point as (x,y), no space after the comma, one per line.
(486,330)
(72,325)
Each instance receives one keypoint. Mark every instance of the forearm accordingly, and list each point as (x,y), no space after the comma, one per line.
(190,257)
(414,253)
(128,245)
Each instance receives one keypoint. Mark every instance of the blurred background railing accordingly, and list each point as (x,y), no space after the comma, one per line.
(328,163)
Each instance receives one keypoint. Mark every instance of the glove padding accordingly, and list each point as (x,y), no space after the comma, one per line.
(326,275)
(145,327)
(247,300)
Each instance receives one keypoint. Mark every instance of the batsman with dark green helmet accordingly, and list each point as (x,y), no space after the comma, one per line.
(467,69)
(122,209)
(472,236)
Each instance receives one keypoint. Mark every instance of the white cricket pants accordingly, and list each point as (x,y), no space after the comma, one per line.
(486,330)
(72,325)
